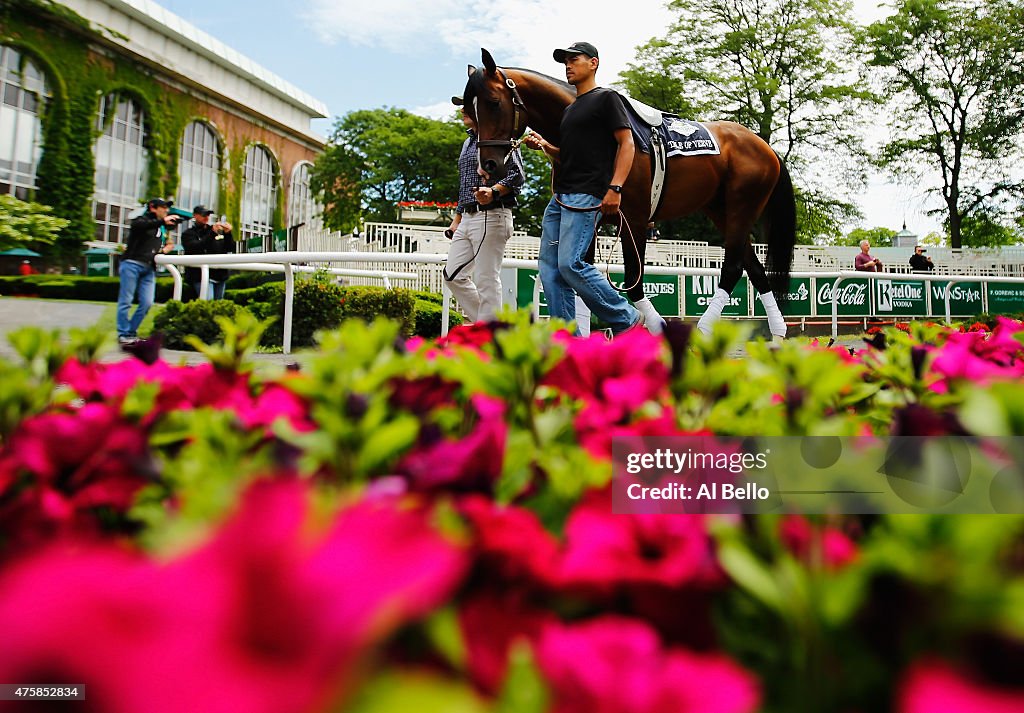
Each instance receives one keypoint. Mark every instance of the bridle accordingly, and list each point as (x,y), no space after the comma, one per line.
(518,108)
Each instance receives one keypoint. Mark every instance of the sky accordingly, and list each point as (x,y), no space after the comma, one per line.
(412,54)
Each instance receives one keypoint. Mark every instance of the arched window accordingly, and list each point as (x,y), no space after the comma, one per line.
(121,167)
(23,96)
(302,208)
(199,167)
(259,195)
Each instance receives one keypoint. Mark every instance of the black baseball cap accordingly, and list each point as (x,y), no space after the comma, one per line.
(201,210)
(457,101)
(575,48)
(160,202)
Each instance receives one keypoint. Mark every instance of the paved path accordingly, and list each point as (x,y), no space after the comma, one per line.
(17,312)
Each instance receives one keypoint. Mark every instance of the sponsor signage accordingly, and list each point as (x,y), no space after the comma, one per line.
(900,297)
(661,290)
(798,302)
(964,298)
(1005,297)
(701,288)
(853,297)
(525,280)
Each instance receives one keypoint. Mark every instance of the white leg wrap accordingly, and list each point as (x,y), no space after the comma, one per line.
(776,324)
(582,317)
(654,322)
(714,311)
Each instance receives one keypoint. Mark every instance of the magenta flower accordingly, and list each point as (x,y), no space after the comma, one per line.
(423,395)
(470,463)
(813,544)
(617,665)
(981,357)
(59,468)
(933,685)
(274,402)
(511,543)
(269,617)
(623,374)
(604,551)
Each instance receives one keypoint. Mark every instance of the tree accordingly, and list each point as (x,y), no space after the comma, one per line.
(536,192)
(780,67)
(378,157)
(24,223)
(878,237)
(955,68)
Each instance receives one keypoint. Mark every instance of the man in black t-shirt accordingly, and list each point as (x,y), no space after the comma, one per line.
(590,166)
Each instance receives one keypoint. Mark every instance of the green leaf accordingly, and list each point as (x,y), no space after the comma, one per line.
(524,689)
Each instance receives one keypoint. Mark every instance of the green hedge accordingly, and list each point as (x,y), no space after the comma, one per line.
(428,319)
(75,287)
(179,320)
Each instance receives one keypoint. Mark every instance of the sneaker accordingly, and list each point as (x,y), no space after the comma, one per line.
(126,341)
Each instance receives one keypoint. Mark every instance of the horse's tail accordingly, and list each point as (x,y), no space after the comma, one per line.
(780,219)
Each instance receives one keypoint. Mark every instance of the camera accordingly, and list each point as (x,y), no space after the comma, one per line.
(177,219)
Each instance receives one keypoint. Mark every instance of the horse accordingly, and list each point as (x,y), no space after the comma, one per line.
(744,186)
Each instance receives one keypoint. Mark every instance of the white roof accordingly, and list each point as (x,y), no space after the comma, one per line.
(177,29)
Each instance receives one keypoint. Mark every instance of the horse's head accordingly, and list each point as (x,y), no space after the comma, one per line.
(493,101)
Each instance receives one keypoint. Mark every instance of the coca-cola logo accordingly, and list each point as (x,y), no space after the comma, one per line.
(851,294)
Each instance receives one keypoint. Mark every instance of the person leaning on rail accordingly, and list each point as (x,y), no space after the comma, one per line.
(864,262)
(202,238)
(919,262)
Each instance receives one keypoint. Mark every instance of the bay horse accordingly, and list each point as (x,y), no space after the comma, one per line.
(745,185)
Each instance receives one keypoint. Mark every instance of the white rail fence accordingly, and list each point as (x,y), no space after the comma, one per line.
(291,262)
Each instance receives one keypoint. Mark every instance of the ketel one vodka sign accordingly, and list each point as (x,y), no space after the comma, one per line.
(852,297)
(701,288)
(900,297)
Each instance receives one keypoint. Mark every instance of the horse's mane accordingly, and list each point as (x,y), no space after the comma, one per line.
(477,76)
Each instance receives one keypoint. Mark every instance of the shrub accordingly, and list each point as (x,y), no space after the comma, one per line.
(428,319)
(368,303)
(56,289)
(248,280)
(77,287)
(177,321)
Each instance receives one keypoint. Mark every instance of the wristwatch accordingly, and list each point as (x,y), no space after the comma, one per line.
(616,188)
(495,193)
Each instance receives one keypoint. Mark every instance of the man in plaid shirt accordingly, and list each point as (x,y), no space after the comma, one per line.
(480,229)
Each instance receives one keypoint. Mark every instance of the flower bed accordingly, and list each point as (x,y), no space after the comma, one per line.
(407,525)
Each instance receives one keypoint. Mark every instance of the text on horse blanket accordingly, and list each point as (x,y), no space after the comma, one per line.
(681,137)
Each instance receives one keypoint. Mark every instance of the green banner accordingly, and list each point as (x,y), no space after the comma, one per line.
(853,297)
(661,290)
(701,288)
(525,280)
(798,300)
(905,298)
(280,240)
(254,244)
(964,299)
(1005,297)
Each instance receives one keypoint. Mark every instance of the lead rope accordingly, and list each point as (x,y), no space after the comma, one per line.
(618,235)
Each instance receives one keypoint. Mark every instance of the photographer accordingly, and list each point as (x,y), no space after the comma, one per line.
(919,262)
(204,239)
(146,238)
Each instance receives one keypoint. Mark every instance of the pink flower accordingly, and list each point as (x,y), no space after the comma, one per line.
(980,357)
(275,402)
(613,665)
(604,551)
(597,425)
(511,543)
(813,544)
(422,395)
(59,468)
(268,617)
(622,374)
(470,463)
(933,685)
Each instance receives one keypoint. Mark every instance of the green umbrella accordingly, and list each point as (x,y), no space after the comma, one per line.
(20,252)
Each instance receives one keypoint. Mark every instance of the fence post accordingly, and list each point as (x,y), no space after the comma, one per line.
(289,298)
(176,276)
(835,307)
(445,299)
(204,282)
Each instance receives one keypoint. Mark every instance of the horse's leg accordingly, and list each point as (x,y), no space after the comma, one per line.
(634,253)
(736,231)
(755,270)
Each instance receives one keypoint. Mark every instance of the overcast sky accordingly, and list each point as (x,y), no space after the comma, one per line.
(360,54)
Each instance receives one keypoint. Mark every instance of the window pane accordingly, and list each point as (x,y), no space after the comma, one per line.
(20,127)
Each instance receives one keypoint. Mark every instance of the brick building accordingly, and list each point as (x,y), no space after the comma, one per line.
(104,103)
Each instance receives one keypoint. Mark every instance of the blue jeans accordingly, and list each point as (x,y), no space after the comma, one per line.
(136,279)
(567,235)
(216,291)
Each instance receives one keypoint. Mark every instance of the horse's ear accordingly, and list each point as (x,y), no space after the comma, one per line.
(470,70)
(489,63)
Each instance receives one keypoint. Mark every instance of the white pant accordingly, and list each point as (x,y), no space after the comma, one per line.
(476,281)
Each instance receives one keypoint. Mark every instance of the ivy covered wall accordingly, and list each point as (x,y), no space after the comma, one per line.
(64,47)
